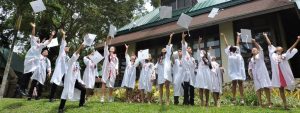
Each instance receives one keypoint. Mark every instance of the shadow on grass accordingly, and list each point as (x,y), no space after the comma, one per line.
(163,108)
(67,107)
(13,106)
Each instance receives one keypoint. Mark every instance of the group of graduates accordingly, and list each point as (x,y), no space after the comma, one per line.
(179,70)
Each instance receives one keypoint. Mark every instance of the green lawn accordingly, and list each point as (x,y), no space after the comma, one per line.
(94,106)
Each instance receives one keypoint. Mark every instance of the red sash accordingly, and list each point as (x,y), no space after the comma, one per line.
(281,77)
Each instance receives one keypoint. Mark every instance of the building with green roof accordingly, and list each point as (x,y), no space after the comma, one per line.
(280,18)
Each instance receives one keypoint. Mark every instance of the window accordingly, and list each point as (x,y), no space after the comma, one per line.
(178,4)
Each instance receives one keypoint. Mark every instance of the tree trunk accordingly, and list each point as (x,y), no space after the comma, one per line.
(7,67)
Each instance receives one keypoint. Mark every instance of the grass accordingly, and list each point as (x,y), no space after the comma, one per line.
(94,106)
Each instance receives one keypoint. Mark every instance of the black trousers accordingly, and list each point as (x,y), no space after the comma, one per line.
(53,89)
(176,100)
(188,94)
(24,81)
(80,87)
(38,86)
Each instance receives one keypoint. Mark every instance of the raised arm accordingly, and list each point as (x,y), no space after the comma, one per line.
(126,51)
(63,33)
(238,39)
(51,35)
(33,29)
(225,39)
(183,35)
(199,42)
(170,39)
(295,44)
(79,49)
(108,40)
(267,38)
(256,44)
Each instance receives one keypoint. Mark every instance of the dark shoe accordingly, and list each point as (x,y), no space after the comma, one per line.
(80,105)
(29,98)
(37,98)
(51,100)
(22,93)
(61,110)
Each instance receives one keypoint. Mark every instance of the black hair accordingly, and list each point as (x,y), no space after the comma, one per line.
(44,49)
(232,49)
(206,60)
(110,55)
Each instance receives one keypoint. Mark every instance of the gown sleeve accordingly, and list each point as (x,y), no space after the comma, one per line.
(289,54)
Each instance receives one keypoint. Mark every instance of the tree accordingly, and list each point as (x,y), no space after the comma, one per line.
(96,16)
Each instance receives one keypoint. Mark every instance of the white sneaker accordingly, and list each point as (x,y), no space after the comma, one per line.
(102,99)
(242,102)
(110,99)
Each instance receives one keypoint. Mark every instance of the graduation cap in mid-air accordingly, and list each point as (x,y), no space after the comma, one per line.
(112,31)
(246,36)
(89,39)
(165,12)
(213,13)
(184,21)
(38,6)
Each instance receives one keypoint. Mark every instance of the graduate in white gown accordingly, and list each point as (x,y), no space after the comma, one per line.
(178,78)
(203,78)
(130,74)
(258,71)
(90,72)
(217,80)
(110,70)
(31,62)
(163,67)
(236,67)
(37,57)
(282,75)
(73,84)
(39,75)
(147,76)
(61,66)
(189,65)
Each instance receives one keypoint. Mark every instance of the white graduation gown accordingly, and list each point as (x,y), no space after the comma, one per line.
(216,77)
(40,72)
(163,67)
(32,56)
(259,71)
(90,73)
(189,65)
(109,68)
(178,77)
(61,66)
(236,67)
(284,66)
(147,74)
(203,77)
(70,92)
(130,73)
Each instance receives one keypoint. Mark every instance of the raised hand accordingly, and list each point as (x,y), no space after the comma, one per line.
(53,33)
(171,35)
(62,32)
(238,33)
(32,24)
(126,46)
(222,34)
(265,34)
(253,40)
(183,35)
(298,37)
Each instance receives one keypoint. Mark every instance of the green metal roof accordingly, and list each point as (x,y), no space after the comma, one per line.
(152,19)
